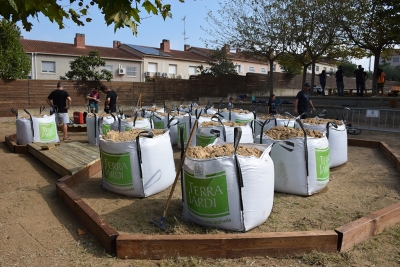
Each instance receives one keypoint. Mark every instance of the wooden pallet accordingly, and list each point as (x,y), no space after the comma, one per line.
(66,158)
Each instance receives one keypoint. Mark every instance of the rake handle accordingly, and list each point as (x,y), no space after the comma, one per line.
(179,171)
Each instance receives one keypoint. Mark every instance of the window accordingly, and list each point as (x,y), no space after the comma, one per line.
(49,66)
(110,68)
(131,71)
(192,70)
(152,67)
(264,70)
(251,69)
(239,68)
(395,59)
(324,68)
(316,68)
(331,70)
(309,67)
(274,67)
(172,69)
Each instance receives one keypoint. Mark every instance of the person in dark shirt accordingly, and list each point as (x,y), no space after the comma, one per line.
(303,101)
(110,105)
(272,105)
(339,81)
(322,81)
(60,101)
(359,74)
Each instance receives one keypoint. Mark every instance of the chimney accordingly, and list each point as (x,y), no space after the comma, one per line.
(186,47)
(116,44)
(228,49)
(164,46)
(79,40)
(21,37)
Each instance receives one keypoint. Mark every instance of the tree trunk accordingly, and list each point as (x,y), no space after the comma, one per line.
(377,54)
(271,77)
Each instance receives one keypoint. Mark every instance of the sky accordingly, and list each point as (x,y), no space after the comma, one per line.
(151,31)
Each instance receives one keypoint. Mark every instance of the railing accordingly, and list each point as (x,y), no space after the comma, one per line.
(375,119)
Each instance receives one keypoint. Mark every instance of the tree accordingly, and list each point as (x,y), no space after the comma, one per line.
(289,64)
(371,25)
(121,13)
(219,64)
(86,68)
(252,26)
(348,68)
(14,63)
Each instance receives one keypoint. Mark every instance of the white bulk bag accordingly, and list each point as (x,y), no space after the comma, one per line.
(337,137)
(45,129)
(106,122)
(243,117)
(166,122)
(247,134)
(212,194)
(24,131)
(301,165)
(262,125)
(291,123)
(206,135)
(186,121)
(122,173)
(122,125)
(93,129)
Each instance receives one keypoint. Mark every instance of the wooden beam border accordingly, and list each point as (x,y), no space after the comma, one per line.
(11,141)
(231,245)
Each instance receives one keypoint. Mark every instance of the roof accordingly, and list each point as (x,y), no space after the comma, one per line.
(55,48)
(157,52)
(238,56)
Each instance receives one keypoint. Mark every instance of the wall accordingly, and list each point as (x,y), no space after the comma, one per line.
(19,94)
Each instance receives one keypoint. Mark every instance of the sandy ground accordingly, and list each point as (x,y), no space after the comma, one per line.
(36,229)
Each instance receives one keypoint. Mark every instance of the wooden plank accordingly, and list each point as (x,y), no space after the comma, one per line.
(91,219)
(367,226)
(56,166)
(157,247)
(90,150)
(363,143)
(389,153)
(61,159)
(82,175)
(11,141)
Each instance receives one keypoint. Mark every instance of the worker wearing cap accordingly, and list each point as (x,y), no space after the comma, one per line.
(303,101)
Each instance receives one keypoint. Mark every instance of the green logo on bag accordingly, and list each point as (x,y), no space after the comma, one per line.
(127,128)
(322,161)
(207,197)
(47,131)
(242,121)
(158,124)
(184,133)
(106,128)
(117,168)
(204,140)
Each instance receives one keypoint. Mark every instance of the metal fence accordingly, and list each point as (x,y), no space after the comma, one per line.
(375,119)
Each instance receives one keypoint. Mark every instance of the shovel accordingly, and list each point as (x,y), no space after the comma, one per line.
(161,222)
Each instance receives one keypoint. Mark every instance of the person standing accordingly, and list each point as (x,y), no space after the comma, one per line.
(272,105)
(359,74)
(60,101)
(322,81)
(303,101)
(381,80)
(365,78)
(94,98)
(110,104)
(230,103)
(339,81)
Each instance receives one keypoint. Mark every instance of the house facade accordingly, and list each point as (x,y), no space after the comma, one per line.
(50,60)
(393,60)
(136,63)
